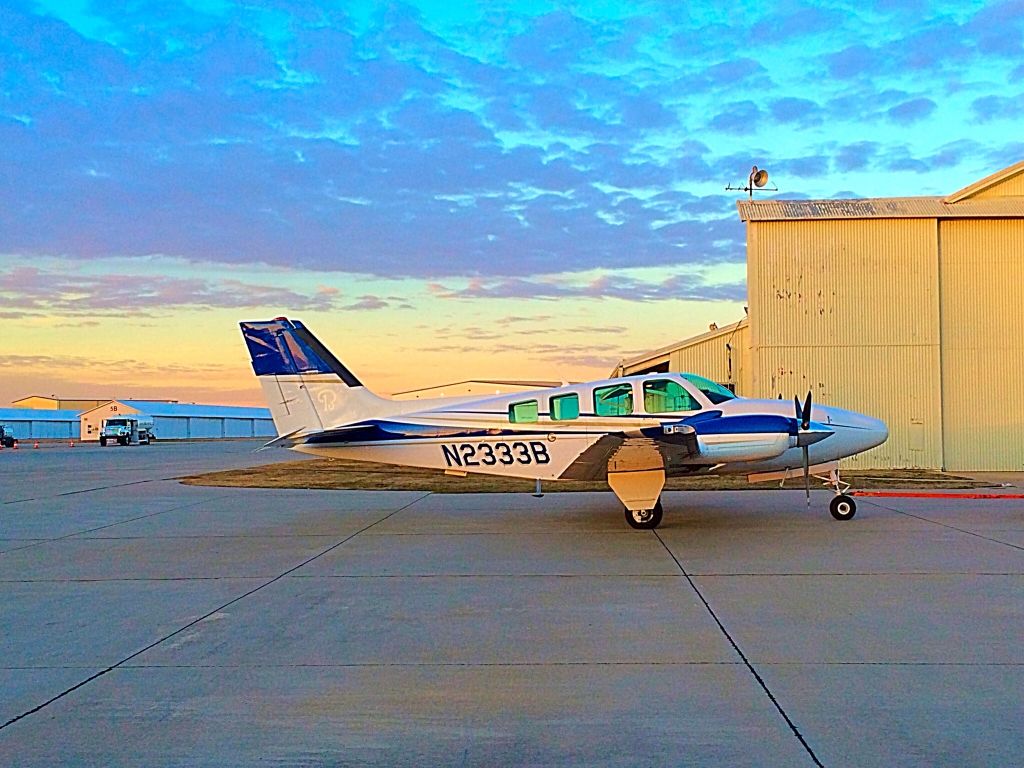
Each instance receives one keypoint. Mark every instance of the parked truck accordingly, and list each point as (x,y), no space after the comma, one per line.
(7,440)
(127,430)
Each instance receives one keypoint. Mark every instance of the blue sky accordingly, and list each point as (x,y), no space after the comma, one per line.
(420,169)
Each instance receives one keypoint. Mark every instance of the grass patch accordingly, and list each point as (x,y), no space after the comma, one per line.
(341,474)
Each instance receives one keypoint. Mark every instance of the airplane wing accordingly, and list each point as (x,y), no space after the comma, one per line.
(711,438)
(621,452)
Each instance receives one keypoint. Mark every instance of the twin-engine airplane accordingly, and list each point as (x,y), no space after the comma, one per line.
(633,431)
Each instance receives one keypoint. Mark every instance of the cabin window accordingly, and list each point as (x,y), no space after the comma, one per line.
(523,413)
(667,396)
(616,400)
(716,393)
(565,407)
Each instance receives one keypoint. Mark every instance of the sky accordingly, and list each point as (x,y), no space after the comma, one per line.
(445,190)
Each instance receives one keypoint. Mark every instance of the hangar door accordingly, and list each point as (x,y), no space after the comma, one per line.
(982,292)
(238,428)
(204,427)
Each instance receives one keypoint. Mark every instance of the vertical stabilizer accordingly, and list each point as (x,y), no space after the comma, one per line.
(307,388)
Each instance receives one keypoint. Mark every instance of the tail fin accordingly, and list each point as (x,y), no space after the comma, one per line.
(307,388)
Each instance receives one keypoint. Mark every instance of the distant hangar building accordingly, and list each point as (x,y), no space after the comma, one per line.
(183,421)
(171,420)
(903,308)
(40,423)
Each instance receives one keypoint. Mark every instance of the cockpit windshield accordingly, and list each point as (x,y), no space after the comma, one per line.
(117,422)
(716,393)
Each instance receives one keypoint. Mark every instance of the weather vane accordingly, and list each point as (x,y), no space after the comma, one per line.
(755,182)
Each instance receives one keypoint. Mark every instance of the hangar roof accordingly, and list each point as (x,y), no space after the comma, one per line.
(881,208)
(687,342)
(997,196)
(36,414)
(161,408)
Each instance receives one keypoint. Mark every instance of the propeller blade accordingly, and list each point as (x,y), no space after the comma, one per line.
(799,412)
(805,417)
(807,476)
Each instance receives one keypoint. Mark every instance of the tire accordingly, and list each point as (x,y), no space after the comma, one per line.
(645,520)
(103,442)
(842,507)
(121,441)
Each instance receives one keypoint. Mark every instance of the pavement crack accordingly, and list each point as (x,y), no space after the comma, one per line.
(102,527)
(743,656)
(206,615)
(90,490)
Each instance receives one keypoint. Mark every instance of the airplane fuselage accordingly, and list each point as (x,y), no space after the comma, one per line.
(735,435)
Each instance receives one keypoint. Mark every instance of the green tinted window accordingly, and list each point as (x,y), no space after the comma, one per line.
(667,396)
(716,393)
(526,411)
(616,400)
(565,407)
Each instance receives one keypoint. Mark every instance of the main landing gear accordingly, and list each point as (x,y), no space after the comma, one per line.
(644,519)
(639,490)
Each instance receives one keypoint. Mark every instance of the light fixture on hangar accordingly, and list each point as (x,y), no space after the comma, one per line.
(756,182)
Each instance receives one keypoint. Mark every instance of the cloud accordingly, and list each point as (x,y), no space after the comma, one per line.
(688,287)
(911,111)
(737,117)
(32,290)
(370,303)
(856,156)
(792,109)
(410,142)
(988,108)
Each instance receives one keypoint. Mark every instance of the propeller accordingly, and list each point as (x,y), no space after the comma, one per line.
(803,417)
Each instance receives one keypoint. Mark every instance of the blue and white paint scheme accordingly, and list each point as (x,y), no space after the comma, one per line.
(633,431)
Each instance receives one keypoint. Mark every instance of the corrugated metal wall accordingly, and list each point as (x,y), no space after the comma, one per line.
(54,430)
(170,427)
(264,428)
(35,429)
(238,428)
(982,286)
(849,310)
(205,428)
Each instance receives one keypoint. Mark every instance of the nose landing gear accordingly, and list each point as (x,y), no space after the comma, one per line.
(842,506)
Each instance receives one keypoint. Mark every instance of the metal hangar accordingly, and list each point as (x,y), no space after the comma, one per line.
(904,308)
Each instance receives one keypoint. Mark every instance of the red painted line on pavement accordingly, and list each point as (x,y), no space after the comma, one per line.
(933,495)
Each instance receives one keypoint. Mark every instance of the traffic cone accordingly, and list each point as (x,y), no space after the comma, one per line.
(15,446)
(72,444)
(35,444)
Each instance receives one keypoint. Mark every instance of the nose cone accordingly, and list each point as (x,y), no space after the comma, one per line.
(859,432)
(875,432)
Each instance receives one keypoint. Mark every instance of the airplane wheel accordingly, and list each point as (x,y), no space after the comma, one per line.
(842,507)
(645,519)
